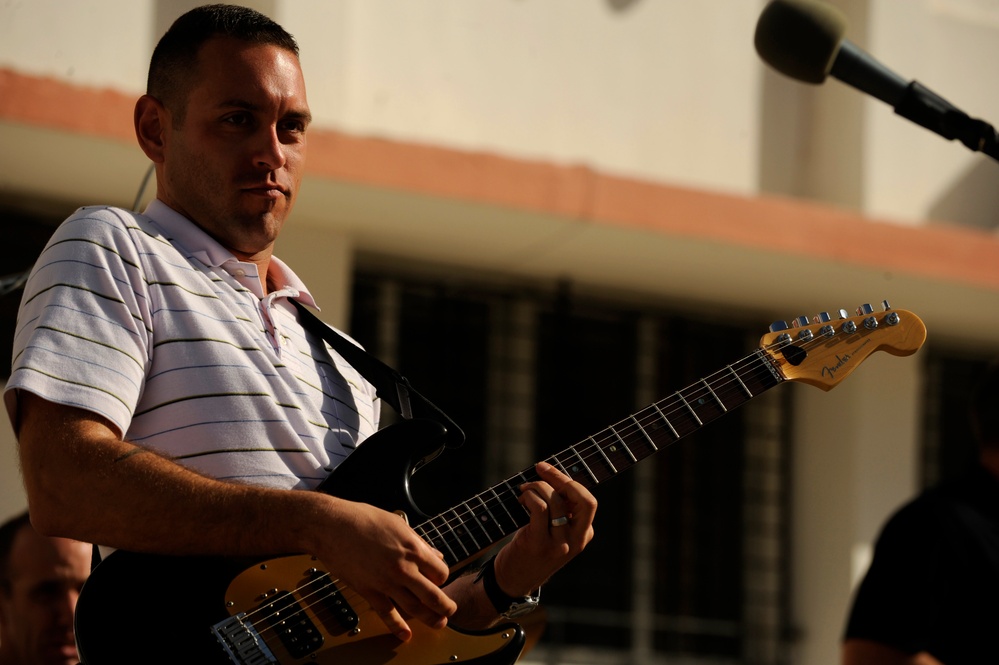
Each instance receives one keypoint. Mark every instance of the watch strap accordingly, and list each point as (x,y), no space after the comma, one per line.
(506,606)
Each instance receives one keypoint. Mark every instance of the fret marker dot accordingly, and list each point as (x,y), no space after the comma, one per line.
(613,449)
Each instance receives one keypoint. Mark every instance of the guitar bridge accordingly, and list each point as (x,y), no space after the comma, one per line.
(242,642)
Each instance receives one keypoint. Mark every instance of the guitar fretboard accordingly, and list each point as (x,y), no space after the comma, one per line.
(469,528)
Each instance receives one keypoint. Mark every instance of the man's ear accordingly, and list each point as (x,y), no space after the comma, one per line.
(151,119)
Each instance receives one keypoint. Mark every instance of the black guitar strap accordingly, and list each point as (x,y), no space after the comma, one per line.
(392,387)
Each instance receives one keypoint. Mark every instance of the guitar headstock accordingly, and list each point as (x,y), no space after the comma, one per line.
(824,351)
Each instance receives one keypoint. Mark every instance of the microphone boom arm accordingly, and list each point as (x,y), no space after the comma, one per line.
(928,109)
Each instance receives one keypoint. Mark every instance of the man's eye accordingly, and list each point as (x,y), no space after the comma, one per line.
(237,119)
(293,126)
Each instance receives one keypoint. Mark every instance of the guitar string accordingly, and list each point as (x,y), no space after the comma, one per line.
(763,364)
(760,363)
(309,600)
(625,429)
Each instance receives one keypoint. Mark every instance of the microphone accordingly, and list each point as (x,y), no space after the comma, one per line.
(803,39)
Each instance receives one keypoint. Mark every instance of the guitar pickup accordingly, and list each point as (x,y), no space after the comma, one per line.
(333,602)
(291,624)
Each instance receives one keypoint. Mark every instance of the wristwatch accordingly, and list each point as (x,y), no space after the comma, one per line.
(508,607)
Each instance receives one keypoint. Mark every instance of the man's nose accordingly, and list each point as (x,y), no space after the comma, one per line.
(270,151)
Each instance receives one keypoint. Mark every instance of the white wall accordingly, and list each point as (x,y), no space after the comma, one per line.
(662,89)
(665,90)
(102,44)
(854,460)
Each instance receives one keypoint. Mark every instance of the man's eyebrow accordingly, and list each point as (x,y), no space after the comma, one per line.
(304,116)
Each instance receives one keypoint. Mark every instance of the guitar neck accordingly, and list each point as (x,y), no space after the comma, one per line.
(469,528)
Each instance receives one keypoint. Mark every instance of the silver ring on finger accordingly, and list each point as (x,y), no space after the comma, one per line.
(560,521)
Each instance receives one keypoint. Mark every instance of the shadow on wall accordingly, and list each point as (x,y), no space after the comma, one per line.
(973,199)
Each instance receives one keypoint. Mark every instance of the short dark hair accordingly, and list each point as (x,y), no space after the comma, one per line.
(985,407)
(176,54)
(8,533)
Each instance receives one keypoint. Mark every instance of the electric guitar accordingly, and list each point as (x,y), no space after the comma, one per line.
(140,608)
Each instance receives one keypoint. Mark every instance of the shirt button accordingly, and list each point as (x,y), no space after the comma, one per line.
(239,272)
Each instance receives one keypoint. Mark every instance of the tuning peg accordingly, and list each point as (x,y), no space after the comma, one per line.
(799,321)
(885,305)
(843,314)
(822,317)
(777,326)
(864,309)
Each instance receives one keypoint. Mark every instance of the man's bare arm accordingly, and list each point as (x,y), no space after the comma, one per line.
(85,482)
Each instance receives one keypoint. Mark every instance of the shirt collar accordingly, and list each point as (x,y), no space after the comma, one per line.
(206,249)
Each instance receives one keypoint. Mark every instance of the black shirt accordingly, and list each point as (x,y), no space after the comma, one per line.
(933,584)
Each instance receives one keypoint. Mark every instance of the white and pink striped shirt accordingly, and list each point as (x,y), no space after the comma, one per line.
(149,322)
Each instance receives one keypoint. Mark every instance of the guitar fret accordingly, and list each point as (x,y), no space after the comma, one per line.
(478,521)
(503,504)
(666,420)
(648,438)
(459,530)
(689,408)
(491,520)
(604,455)
(441,542)
(634,459)
(585,465)
(525,515)
(558,464)
(739,379)
(713,394)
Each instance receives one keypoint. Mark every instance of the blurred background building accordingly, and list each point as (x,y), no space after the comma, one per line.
(549,213)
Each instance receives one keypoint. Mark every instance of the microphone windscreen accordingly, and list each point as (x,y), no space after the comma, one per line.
(800,38)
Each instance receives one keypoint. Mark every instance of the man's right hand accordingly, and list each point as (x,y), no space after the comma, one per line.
(387,563)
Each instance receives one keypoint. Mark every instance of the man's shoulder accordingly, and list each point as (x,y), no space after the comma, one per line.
(957,505)
(105,212)
(108,223)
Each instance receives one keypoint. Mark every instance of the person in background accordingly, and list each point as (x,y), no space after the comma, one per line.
(40,579)
(931,594)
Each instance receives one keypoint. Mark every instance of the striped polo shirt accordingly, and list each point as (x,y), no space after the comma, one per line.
(149,322)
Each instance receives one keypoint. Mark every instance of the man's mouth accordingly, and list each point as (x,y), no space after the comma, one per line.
(268,190)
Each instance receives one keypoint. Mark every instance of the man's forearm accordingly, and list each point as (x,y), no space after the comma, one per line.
(85,483)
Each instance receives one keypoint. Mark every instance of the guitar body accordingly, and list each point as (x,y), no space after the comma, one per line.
(151,609)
